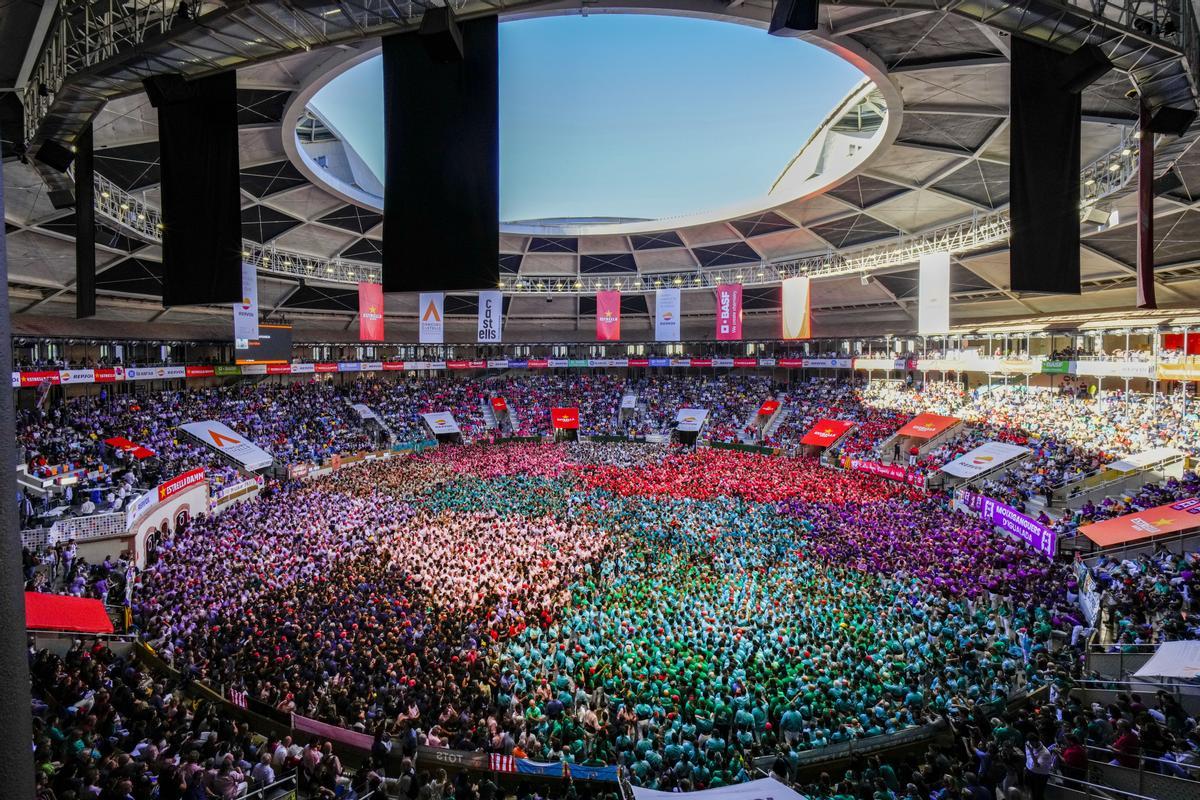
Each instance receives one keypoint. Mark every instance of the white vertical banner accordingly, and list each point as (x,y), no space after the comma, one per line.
(491,313)
(666,315)
(933,308)
(245,313)
(429,317)
(797,308)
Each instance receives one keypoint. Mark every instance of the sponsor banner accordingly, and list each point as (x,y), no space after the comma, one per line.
(1186,370)
(429,318)
(933,288)
(393,366)
(499,404)
(722,362)
(458,364)
(826,432)
(539,363)
(1115,369)
(254,369)
(659,362)
(1008,519)
(681,362)
(639,362)
(155,373)
(690,419)
(927,426)
(434,364)
(372,366)
(16,380)
(1056,367)
(828,363)
(370,312)
(245,313)
(577,362)
(180,483)
(599,362)
(517,364)
(233,445)
(797,303)
(1171,518)
(564,418)
(303,369)
(324,368)
(109,374)
(227,370)
(702,362)
(279,369)
(768,408)
(893,472)
(441,422)
(76,376)
(38,378)
(790,363)
(491,309)
(879,363)
(666,315)
(983,458)
(200,372)
(745,362)
(349,366)
(608,316)
(619,362)
(498,363)
(477,364)
(557,363)
(729,312)
(138,507)
(766,362)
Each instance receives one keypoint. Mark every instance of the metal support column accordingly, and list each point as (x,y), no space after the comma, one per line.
(1145,222)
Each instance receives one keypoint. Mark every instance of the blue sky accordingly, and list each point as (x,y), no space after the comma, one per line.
(623,115)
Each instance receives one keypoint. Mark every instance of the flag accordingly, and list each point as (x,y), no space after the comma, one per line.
(729,312)
(608,316)
(370,312)
(491,312)
(501,763)
(429,317)
(666,315)
(797,317)
(933,307)
(245,313)
(238,698)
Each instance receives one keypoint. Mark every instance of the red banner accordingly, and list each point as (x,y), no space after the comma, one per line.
(608,316)
(121,443)
(564,418)
(892,472)
(457,365)
(538,363)
(639,362)
(109,375)
(200,372)
(701,362)
(477,364)
(826,432)
(927,426)
(279,369)
(790,362)
(180,483)
(38,378)
(392,366)
(498,404)
(370,312)
(1172,518)
(768,408)
(729,312)
(745,362)
(325,368)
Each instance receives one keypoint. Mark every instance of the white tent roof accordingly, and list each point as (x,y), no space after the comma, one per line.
(1180,660)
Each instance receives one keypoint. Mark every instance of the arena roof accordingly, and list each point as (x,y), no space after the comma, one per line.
(942,164)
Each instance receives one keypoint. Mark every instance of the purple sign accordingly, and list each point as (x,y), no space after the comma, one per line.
(1009,520)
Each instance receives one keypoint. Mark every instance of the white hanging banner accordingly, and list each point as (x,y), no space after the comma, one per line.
(221,438)
(491,311)
(690,419)
(987,456)
(429,317)
(933,307)
(441,422)
(245,313)
(666,315)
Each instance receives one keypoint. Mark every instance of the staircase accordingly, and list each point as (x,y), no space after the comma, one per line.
(743,436)
(489,415)
(774,422)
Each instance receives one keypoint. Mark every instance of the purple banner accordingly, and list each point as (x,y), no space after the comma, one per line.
(1009,520)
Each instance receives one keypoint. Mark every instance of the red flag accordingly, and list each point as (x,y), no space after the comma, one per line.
(608,316)
(370,312)
(729,312)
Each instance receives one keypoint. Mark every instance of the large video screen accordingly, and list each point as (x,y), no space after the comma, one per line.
(273,345)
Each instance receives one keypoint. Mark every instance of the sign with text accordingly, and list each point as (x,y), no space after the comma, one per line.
(221,438)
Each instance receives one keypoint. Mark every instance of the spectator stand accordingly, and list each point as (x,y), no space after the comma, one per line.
(1120,477)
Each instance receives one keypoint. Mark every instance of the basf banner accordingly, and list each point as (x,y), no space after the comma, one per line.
(566,419)
(370,312)
(933,307)
(608,316)
(690,419)
(826,432)
(429,317)
(491,311)
(796,309)
(222,439)
(729,312)
(666,315)
(983,458)
(441,422)
(245,313)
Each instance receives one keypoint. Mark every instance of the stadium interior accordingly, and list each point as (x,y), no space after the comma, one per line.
(340,474)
